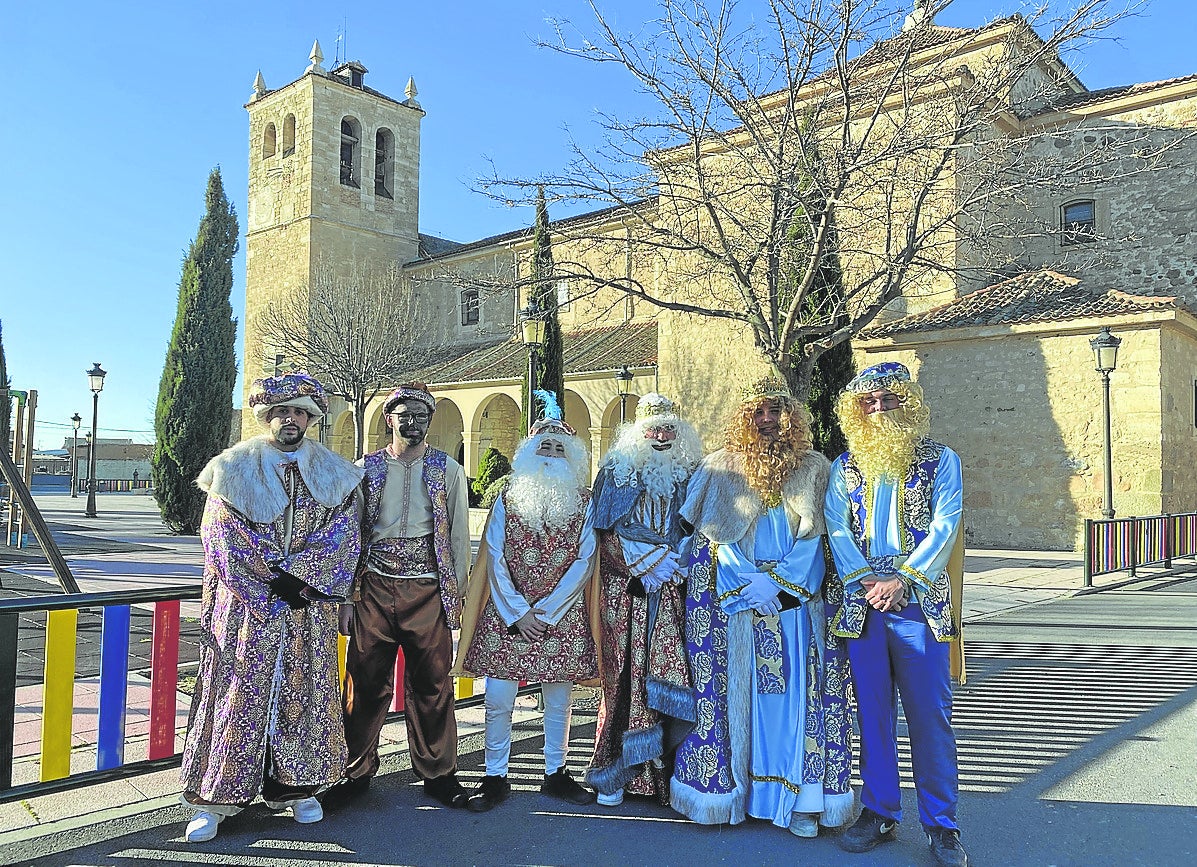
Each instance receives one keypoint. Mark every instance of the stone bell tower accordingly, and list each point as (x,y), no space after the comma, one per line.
(334,180)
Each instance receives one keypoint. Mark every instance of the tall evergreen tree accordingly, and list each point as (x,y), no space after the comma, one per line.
(543,296)
(195,396)
(6,403)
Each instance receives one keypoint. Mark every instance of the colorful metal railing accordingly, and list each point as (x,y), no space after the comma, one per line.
(58,694)
(1126,544)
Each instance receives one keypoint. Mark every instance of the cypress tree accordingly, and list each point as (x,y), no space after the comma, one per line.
(195,396)
(6,403)
(543,296)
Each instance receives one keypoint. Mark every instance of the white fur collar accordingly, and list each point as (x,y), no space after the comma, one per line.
(721,506)
(248,477)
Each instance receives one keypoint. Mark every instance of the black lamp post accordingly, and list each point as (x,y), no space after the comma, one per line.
(1105,356)
(624,377)
(76,420)
(95,381)
(532,328)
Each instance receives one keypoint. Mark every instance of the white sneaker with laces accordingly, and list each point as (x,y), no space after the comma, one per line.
(307,811)
(613,800)
(202,827)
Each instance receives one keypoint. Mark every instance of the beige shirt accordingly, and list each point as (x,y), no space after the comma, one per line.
(406,509)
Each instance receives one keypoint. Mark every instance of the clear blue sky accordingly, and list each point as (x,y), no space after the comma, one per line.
(115,113)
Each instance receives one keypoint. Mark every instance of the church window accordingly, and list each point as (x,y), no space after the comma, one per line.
(268,144)
(1079,222)
(469,307)
(351,152)
(384,164)
(288,135)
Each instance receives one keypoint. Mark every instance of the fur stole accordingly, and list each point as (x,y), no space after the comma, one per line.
(247,477)
(720,505)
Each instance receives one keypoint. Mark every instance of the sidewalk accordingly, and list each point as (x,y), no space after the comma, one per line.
(996,582)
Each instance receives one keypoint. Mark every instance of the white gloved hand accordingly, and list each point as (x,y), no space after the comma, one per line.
(761,593)
(662,573)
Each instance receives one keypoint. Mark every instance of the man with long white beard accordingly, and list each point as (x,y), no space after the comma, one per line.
(647,702)
(771,738)
(525,617)
(893,513)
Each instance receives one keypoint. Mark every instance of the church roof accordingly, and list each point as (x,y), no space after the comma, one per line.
(593,351)
(1034,296)
(1069,101)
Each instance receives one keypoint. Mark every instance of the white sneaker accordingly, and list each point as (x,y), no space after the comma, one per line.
(202,827)
(610,800)
(307,811)
(804,825)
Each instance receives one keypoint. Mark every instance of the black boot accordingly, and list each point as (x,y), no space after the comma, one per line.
(343,791)
(492,791)
(560,784)
(447,790)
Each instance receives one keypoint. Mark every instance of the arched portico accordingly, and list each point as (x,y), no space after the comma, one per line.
(341,436)
(617,408)
(496,424)
(377,432)
(447,431)
(577,415)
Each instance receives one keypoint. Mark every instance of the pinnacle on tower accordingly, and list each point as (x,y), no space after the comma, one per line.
(259,86)
(317,57)
(410,92)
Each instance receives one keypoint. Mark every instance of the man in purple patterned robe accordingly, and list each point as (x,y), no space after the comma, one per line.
(415,557)
(281,533)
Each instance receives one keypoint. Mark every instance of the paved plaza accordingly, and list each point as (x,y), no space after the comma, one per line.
(1076,737)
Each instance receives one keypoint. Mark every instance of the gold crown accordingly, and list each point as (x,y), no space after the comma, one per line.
(653,404)
(769,386)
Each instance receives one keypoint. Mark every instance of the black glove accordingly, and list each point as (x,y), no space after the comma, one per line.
(287,587)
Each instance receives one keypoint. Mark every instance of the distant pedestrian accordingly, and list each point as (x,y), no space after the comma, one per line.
(415,559)
(281,534)
(893,517)
(528,607)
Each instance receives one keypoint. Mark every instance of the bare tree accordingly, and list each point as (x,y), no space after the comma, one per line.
(779,130)
(359,332)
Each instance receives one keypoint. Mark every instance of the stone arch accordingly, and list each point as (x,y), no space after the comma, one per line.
(268,141)
(447,431)
(496,425)
(613,416)
(577,414)
(377,432)
(351,152)
(341,438)
(288,135)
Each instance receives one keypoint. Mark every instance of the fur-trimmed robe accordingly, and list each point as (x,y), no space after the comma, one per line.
(267,673)
(712,770)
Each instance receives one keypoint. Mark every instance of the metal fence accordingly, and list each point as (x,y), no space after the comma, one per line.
(1125,544)
(60,617)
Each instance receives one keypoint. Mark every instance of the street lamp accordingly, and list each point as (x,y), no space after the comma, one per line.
(95,381)
(532,328)
(1105,356)
(76,420)
(624,377)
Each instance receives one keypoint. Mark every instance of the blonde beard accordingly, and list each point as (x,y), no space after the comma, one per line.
(884,443)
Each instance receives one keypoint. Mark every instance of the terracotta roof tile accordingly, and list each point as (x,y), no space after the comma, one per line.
(1035,296)
(1089,97)
(589,351)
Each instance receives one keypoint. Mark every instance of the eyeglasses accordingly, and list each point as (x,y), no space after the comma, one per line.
(419,417)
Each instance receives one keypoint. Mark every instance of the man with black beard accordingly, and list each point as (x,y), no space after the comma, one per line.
(525,617)
(415,556)
(647,702)
(893,518)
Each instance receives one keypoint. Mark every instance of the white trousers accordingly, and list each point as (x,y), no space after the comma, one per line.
(500,704)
